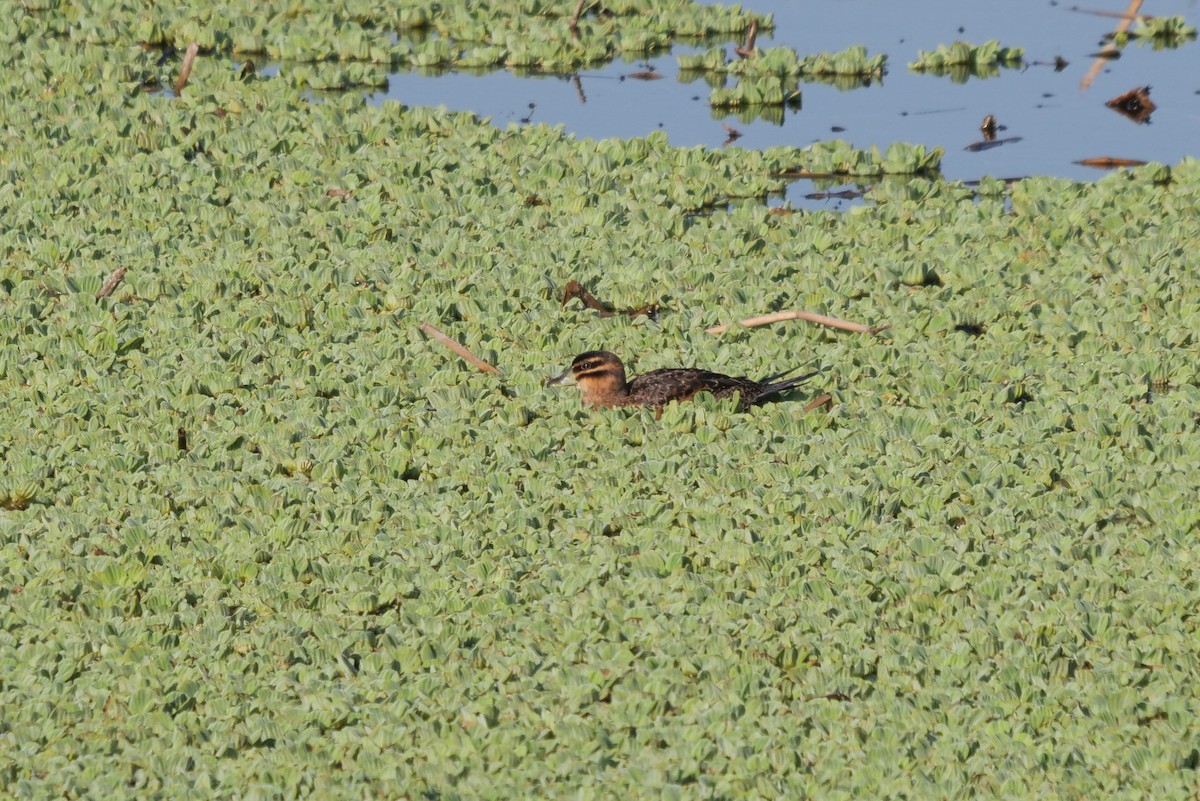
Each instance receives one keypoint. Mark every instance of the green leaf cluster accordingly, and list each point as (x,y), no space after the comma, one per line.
(1160,33)
(259,537)
(755,92)
(963,60)
(852,62)
(770,77)
(1163,28)
(841,158)
(784,61)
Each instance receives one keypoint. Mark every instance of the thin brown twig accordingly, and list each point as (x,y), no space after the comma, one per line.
(479,363)
(1112,14)
(111,283)
(820,319)
(574,290)
(1109,49)
(185,71)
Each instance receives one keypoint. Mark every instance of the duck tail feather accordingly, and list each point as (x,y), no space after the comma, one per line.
(779,382)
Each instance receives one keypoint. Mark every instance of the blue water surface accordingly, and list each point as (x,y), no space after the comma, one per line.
(1056,119)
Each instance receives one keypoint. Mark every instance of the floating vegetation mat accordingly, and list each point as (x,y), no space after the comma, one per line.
(556,35)
(785,61)
(1166,31)
(963,60)
(261,537)
(770,77)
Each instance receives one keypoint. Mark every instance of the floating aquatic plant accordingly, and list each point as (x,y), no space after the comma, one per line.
(1163,28)
(963,60)
(367,567)
(784,61)
(755,92)
(768,77)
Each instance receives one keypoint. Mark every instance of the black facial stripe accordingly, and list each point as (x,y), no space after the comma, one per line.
(593,371)
(591,358)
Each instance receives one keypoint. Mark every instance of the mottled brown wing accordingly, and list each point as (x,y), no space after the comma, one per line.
(660,387)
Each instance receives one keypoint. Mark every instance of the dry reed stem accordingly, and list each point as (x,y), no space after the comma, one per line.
(1131,14)
(820,319)
(185,71)
(432,332)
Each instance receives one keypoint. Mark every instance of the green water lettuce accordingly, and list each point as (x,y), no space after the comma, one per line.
(260,537)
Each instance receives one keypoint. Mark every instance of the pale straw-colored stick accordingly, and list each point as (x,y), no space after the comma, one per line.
(820,319)
(459,349)
(185,71)
(1131,14)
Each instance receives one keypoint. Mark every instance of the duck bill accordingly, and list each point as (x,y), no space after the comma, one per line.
(562,379)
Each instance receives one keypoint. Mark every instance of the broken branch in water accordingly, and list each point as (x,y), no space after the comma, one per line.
(432,332)
(1110,163)
(112,282)
(575,289)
